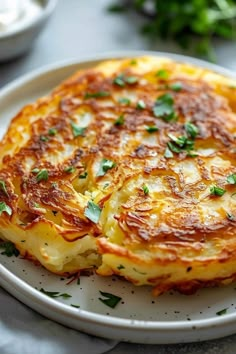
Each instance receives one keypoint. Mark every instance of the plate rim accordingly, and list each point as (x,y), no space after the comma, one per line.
(11,282)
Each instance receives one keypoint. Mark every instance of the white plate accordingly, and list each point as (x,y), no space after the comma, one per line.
(171,318)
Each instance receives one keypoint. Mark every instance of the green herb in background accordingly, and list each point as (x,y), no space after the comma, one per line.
(186,22)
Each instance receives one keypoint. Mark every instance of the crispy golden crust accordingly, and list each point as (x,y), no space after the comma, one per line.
(160,223)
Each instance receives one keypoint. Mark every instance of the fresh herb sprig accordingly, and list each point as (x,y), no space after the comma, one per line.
(184,21)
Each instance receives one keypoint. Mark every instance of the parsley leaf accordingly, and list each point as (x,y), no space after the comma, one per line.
(52,131)
(164,108)
(131,80)
(145,189)
(121,80)
(44,138)
(70,169)
(191,129)
(217,191)
(96,94)
(83,175)
(176,86)
(10,249)
(42,175)
(120,267)
(110,299)
(162,74)
(192,24)
(152,129)
(124,100)
(141,105)
(6,208)
(93,212)
(3,187)
(55,294)
(180,143)
(222,312)
(231,179)
(76,130)
(120,120)
(105,165)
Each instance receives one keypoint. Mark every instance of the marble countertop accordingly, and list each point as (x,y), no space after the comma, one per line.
(91,30)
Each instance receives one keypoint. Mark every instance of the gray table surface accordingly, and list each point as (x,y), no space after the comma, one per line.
(80,28)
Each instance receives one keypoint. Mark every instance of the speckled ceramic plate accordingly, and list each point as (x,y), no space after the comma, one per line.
(171,318)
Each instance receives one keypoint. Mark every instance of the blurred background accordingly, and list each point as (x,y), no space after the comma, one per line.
(80,28)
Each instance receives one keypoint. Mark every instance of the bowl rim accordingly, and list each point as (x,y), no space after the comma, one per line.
(47,8)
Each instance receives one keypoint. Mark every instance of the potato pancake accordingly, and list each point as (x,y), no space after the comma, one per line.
(127,168)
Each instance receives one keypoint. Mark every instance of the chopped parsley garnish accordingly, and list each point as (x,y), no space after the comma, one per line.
(76,130)
(5,208)
(105,165)
(36,205)
(96,94)
(141,104)
(137,271)
(3,187)
(180,143)
(162,74)
(230,216)
(145,189)
(164,108)
(217,191)
(131,80)
(121,80)
(42,175)
(124,100)
(55,294)
(231,179)
(176,86)
(110,299)
(133,62)
(9,249)
(222,312)
(152,129)
(52,131)
(120,120)
(76,306)
(44,138)
(191,129)
(70,169)
(93,212)
(120,267)
(83,175)
(168,153)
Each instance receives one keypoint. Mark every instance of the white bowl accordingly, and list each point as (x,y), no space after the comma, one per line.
(19,39)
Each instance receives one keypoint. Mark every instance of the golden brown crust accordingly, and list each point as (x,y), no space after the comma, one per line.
(108,112)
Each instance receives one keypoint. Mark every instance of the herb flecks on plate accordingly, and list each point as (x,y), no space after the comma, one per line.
(55,294)
(110,299)
(9,249)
